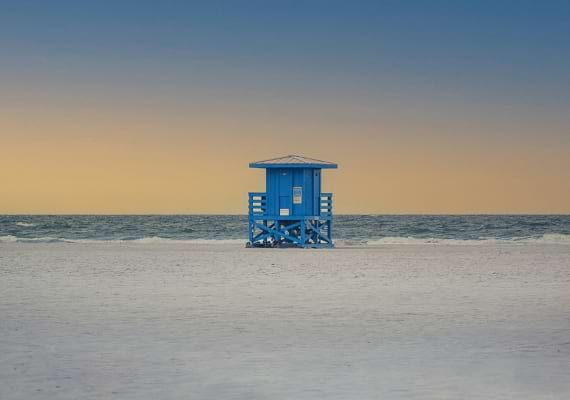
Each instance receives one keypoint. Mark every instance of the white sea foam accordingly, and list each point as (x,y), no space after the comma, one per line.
(392,240)
(25,224)
(145,240)
(415,241)
(8,239)
(544,239)
(552,238)
(157,239)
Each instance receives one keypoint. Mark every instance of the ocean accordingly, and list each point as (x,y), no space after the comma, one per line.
(348,229)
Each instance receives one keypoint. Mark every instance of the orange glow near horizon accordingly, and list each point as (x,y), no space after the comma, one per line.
(73,160)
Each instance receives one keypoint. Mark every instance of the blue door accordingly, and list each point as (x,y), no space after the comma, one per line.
(317,192)
(285,192)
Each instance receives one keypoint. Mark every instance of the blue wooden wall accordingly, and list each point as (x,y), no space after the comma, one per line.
(282,184)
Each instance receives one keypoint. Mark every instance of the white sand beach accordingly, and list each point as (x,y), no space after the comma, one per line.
(180,321)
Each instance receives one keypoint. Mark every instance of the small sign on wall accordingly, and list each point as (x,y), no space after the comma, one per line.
(297,195)
(284,212)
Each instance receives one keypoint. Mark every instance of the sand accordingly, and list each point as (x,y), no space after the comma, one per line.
(179,321)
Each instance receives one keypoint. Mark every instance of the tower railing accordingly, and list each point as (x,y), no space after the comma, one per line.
(326,204)
(257,204)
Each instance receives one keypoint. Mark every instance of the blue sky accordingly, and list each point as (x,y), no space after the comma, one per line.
(500,48)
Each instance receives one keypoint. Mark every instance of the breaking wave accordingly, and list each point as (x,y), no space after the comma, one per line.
(145,240)
(392,240)
(25,224)
(543,239)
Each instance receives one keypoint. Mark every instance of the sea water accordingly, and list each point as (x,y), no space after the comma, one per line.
(347,230)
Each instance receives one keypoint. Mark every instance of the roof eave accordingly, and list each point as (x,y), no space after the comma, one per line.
(321,166)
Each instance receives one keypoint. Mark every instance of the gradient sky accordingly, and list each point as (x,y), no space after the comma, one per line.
(159,106)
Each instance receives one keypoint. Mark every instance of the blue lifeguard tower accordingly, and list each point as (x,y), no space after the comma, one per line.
(293,212)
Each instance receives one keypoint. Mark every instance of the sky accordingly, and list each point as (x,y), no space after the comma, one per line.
(146,107)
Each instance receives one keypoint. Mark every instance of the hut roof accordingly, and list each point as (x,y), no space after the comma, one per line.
(292,161)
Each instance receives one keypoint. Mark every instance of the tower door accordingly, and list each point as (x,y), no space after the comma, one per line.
(285,192)
(317,192)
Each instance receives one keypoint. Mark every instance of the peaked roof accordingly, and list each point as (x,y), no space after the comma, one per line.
(292,161)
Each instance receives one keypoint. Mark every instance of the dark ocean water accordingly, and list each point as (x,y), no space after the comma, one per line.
(370,229)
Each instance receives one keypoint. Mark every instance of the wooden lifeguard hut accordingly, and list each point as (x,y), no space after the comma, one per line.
(293,212)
